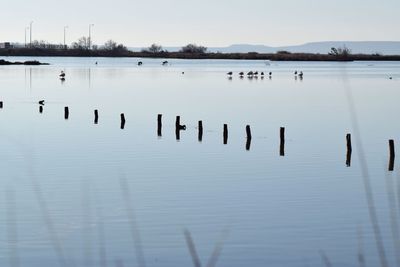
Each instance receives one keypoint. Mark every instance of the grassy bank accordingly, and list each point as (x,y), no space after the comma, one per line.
(181,55)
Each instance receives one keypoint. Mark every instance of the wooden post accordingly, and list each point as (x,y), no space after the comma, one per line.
(225,134)
(349,150)
(391,155)
(348,140)
(248,144)
(391,148)
(66,113)
(200,131)
(1,104)
(159,125)
(40,109)
(122,121)
(96,116)
(282,143)
(178,125)
(248,132)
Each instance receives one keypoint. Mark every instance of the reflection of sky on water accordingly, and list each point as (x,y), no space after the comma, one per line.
(280,211)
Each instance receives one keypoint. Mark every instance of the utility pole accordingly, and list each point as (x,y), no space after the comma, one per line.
(30,34)
(65,28)
(90,35)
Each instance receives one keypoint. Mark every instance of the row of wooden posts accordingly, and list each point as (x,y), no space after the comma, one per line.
(179,127)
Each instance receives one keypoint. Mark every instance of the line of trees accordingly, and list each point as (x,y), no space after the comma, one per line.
(190,49)
(340,52)
(84,43)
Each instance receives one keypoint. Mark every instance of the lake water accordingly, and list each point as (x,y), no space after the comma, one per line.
(75,193)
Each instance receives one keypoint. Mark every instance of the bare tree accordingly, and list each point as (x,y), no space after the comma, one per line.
(110,45)
(194,49)
(155,48)
(82,43)
(342,52)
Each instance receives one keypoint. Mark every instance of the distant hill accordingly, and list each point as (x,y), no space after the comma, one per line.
(367,47)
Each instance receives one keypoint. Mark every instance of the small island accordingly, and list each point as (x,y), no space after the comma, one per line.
(27,63)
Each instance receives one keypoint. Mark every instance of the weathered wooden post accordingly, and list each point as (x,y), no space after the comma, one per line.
(96,116)
(391,155)
(225,134)
(178,127)
(200,131)
(282,143)
(248,132)
(178,122)
(349,150)
(159,125)
(1,104)
(122,121)
(66,113)
(248,144)
(40,109)
(348,141)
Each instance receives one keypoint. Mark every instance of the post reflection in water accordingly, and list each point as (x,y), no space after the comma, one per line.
(348,158)
(28,78)
(248,144)
(89,78)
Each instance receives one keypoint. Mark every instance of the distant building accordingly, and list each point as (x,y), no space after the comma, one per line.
(5,45)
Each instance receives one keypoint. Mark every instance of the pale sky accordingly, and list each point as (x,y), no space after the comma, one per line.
(205,22)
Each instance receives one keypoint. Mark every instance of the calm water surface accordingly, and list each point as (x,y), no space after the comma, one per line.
(79,194)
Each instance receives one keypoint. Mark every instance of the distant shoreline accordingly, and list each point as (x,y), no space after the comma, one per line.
(27,63)
(180,55)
